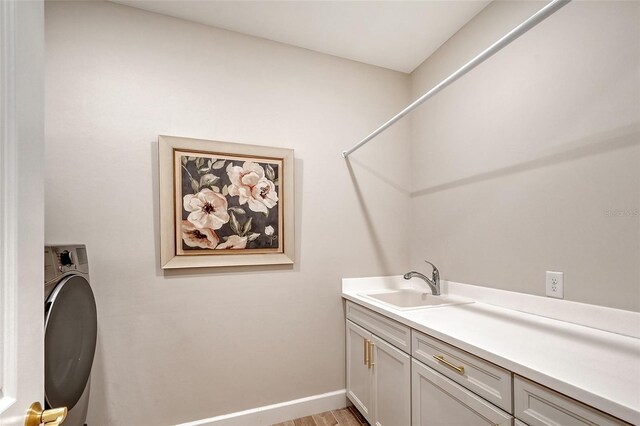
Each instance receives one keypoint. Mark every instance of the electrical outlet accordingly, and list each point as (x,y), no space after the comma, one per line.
(555,284)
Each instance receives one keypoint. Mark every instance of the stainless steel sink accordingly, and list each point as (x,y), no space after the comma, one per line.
(413,299)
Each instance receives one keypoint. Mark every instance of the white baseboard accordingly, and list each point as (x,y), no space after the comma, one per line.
(276,413)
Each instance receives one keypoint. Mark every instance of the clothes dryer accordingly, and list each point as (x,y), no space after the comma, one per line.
(71,328)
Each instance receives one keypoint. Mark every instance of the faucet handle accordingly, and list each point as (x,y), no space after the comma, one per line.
(436,273)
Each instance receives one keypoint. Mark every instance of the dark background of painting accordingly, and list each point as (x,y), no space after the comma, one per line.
(259,220)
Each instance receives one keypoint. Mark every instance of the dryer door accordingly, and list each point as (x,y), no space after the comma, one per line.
(69,342)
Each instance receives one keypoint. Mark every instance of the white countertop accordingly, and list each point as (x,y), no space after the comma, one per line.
(598,368)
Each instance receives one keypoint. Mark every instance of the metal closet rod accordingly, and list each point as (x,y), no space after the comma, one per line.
(535,19)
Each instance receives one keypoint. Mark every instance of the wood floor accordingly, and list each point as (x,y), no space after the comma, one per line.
(344,417)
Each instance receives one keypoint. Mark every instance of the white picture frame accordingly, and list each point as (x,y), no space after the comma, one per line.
(224,204)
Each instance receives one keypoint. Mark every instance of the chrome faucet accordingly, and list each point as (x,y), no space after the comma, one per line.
(433,282)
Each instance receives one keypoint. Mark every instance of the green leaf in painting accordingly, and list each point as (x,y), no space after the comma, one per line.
(235,226)
(253,236)
(208,179)
(199,162)
(210,162)
(271,174)
(218,164)
(203,170)
(238,210)
(247,227)
(191,158)
(276,182)
(215,189)
(225,190)
(184,160)
(194,185)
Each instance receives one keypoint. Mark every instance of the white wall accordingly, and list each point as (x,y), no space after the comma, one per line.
(180,346)
(516,166)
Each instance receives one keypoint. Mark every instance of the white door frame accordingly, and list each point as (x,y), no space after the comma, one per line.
(21,207)
(8,208)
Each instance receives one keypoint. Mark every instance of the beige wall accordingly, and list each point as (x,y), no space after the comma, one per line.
(516,166)
(512,173)
(187,345)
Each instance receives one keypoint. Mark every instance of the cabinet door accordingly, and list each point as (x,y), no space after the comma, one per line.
(391,384)
(439,401)
(359,376)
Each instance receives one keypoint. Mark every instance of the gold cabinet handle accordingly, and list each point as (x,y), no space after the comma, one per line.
(37,416)
(371,346)
(441,359)
(366,352)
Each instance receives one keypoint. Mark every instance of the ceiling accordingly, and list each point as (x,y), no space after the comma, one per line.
(398,35)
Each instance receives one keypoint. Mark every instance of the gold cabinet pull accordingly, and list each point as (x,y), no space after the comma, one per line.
(371,346)
(36,416)
(441,359)
(366,352)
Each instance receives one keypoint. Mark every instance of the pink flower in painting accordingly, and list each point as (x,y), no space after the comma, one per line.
(207,209)
(204,238)
(250,185)
(234,242)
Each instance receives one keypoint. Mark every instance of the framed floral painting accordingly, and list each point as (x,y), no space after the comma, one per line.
(224,204)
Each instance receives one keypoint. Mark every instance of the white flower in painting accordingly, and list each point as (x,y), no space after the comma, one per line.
(202,238)
(243,179)
(234,242)
(263,196)
(207,209)
(269,230)
(251,187)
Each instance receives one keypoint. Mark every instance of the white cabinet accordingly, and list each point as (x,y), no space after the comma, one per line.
(439,401)
(483,378)
(399,335)
(359,377)
(398,376)
(391,383)
(378,378)
(540,406)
